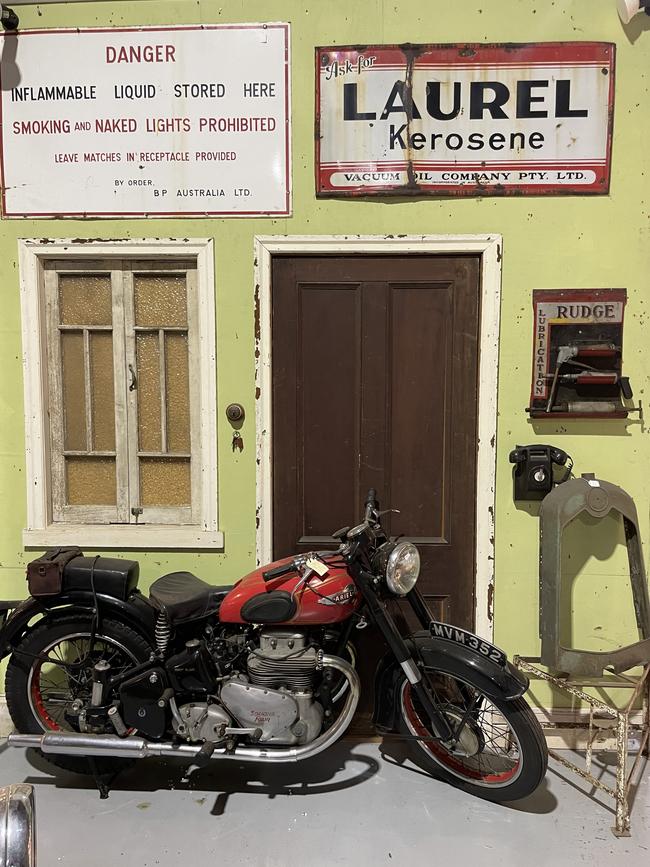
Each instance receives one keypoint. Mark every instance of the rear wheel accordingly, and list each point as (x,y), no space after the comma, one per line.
(50,673)
(500,753)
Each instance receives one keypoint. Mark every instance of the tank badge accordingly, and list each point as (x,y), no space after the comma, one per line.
(339,598)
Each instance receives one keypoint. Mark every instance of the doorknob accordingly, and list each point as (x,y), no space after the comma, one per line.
(235,412)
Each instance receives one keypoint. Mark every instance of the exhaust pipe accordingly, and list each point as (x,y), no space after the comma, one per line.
(90,745)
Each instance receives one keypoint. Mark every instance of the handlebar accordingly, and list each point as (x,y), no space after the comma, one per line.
(270,574)
(371,503)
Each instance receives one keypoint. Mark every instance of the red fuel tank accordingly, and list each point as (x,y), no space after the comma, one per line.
(329,599)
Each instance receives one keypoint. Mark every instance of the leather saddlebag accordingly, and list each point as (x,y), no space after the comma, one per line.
(45,575)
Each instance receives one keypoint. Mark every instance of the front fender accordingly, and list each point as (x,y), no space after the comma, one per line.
(500,682)
(136,612)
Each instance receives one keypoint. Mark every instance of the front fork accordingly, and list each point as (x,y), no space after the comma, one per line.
(365,582)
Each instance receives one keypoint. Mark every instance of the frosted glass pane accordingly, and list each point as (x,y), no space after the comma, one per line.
(165,482)
(102,391)
(85,299)
(160,300)
(178,392)
(90,481)
(74,394)
(149,410)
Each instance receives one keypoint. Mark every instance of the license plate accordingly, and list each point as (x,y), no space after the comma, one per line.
(467,639)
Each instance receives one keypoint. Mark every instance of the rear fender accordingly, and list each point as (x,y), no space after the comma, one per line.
(136,612)
(500,682)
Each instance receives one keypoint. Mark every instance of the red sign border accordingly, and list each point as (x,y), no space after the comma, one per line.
(476,53)
(286,26)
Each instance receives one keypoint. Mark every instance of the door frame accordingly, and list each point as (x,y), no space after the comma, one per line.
(489,247)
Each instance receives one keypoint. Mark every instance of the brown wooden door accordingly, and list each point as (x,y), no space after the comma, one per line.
(375,363)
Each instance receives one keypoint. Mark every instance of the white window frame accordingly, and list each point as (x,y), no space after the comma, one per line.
(41,531)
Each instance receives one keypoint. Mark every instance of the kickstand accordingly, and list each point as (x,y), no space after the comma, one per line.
(102,781)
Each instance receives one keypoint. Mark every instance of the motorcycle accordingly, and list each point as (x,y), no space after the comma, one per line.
(263,671)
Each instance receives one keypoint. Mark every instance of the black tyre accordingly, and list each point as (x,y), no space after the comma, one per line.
(501,753)
(40,693)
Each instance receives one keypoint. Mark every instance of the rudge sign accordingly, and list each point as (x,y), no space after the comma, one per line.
(471,120)
(166,121)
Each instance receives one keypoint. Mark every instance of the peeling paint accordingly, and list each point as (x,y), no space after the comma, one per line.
(101,240)
(257,313)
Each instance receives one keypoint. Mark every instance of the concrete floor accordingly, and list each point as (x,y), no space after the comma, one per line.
(356,805)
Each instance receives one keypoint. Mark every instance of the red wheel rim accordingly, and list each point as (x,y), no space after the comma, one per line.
(38,703)
(447,759)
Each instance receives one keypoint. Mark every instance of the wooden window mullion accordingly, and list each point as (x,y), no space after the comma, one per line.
(193,360)
(131,395)
(55,383)
(163,390)
(121,391)
(88,392)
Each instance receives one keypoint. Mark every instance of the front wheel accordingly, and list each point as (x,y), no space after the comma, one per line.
(499,753)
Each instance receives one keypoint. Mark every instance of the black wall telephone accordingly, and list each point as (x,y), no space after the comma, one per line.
(532,473)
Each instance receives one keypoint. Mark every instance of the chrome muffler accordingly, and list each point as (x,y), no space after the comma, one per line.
(90,745)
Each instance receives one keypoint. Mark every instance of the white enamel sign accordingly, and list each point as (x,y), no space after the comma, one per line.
(160,121)
(464,119)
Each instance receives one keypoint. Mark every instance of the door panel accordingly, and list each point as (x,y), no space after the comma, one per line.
(375,364)
(419,411)
(327,374)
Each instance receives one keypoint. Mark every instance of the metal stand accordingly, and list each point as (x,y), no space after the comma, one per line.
(102,781)
(620,725)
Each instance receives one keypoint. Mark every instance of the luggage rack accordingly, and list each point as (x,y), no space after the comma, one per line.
(620,727)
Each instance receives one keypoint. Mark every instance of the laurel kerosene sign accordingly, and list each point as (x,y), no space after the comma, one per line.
(171,121)
(464,120)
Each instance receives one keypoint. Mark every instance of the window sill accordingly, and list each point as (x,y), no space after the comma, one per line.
(124,537)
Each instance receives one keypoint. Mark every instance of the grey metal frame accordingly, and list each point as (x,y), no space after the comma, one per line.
(559,508)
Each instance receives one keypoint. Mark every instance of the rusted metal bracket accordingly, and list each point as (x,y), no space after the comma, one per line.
(620,726)
(559,508)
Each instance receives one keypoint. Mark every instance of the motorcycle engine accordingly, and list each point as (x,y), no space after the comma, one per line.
(276,694)
(202,722)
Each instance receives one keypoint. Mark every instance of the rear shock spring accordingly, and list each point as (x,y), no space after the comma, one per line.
(162,631)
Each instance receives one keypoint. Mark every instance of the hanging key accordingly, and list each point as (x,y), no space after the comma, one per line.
(237,442)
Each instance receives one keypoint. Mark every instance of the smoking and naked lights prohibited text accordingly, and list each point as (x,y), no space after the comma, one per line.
(464,120)
(167,121)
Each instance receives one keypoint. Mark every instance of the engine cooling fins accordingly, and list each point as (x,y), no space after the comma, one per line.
(295,671)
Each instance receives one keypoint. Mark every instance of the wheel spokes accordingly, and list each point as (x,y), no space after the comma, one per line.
(498,756)
(66,675)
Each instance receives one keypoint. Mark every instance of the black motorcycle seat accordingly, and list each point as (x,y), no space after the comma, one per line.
(183,596)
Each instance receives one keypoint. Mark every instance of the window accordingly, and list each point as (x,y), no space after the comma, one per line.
(125,428)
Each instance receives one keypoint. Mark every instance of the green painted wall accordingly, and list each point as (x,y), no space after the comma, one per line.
(548,242)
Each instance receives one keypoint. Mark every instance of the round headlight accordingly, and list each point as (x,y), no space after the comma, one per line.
(403,568)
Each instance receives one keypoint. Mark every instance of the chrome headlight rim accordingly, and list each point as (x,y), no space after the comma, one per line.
(403,568)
